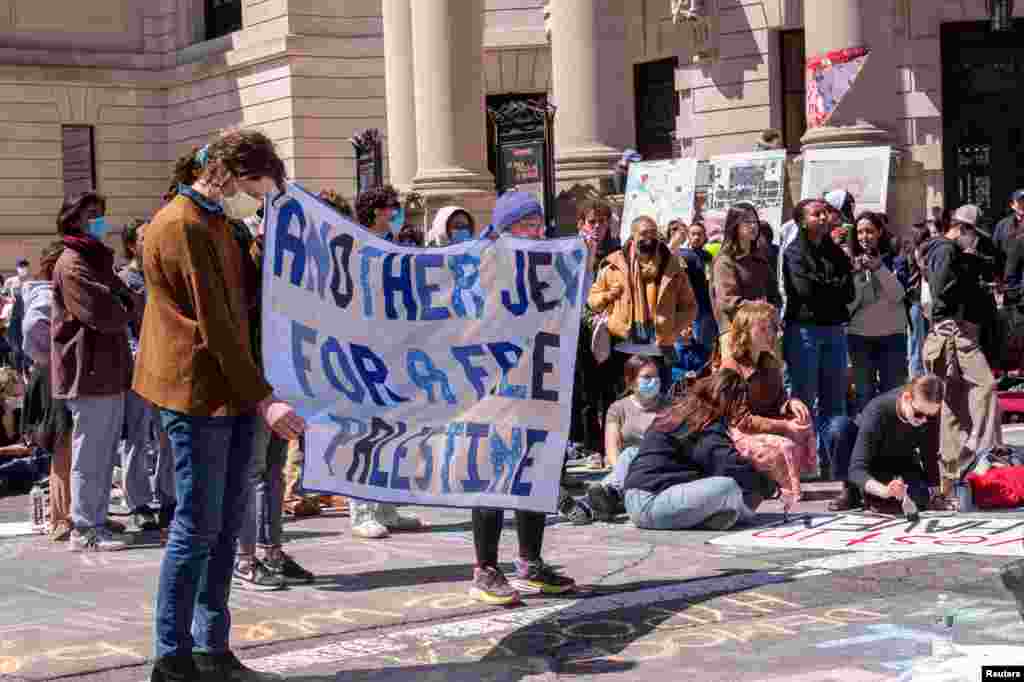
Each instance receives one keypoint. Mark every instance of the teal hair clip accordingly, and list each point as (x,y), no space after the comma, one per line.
(203,156)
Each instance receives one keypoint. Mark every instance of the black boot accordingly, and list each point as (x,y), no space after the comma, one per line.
(180,668)
(847,500)
(227,668)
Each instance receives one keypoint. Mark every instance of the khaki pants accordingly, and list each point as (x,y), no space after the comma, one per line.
(970,420)
(293,474)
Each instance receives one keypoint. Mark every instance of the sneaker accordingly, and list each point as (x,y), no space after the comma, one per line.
(491,587)
(61,531)
(537,577)
(227,668)
(943,503)
(250,574)
(176,668)
(723,520)
(288,569)
(370,529)
(580,514)
(94,540)
(387,514)
(605,501)
(144,519)
(302,507)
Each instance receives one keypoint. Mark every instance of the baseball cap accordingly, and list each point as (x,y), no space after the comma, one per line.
(967,214)
(1018,195)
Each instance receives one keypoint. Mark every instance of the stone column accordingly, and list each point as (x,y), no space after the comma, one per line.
(869,107)
(592,84)
(447,42)
(400,98)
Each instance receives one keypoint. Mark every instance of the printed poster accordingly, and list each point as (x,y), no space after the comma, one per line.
(663,190)
(428,376)
(755,177)
(862,171)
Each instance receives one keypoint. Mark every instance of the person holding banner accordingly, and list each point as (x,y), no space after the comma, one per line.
(646,293)
(521,215)
(687,472)
(195,363)
(452,225)
(380,212)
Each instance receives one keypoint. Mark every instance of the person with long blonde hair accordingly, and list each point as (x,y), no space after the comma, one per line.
(778,434)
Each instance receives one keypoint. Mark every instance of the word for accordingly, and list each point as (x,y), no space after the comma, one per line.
(359,374)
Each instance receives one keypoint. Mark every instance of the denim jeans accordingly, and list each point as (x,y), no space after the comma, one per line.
(263,516)
(919,326)
(816,362)
(879,365)
(686,505)
(211,466)
(94,436)
(136,450)
(616,478)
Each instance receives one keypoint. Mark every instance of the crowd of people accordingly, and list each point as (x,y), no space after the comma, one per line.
(707,379)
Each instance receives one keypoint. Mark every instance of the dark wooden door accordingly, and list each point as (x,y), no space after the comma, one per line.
(657,107)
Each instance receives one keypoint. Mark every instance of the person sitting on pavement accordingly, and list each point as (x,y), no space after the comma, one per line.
(687,472)
(521,215)
(626,423)
(778,434)
(646,293)
(883,455)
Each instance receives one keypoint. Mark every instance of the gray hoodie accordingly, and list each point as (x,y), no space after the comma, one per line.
(35,326)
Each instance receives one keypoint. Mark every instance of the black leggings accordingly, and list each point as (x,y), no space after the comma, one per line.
(487,524)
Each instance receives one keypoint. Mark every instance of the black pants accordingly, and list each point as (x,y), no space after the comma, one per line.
(487,525)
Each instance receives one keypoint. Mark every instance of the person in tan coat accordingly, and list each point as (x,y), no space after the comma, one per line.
(646,294)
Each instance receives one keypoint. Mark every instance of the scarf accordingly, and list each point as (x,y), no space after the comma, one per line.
(643,280)
(95,252)
(202,202)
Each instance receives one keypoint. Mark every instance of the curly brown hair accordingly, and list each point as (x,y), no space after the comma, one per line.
(741,334)
(186,172)
(247,154)
(339,202)
(369,201)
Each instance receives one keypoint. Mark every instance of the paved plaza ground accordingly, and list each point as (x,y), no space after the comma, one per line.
(652,605)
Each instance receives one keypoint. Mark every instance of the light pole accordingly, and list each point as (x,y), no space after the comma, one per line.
(1001,12)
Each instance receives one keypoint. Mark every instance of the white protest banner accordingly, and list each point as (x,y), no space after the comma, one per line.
(428,376)
(663,190)
(862,171)
(755,177)
(866,533)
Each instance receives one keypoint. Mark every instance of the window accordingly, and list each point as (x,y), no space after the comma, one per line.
(79,159)
(657,107)
(794,88)
(223,17)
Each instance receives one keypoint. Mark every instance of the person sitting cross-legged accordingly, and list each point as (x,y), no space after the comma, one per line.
(882,457)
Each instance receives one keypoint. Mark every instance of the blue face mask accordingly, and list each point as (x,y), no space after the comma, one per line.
(461,234)
(397,220)
(648,387)
(98,227)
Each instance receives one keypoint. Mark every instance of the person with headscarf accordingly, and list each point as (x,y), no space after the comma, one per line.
(452,225)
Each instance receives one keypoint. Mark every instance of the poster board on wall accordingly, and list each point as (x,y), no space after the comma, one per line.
(663,190)
(755,177)
(862,171)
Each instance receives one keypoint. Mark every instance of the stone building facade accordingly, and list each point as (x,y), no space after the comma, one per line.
(109,92)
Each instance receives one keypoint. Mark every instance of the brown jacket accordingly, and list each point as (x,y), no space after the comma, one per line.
(735,280)
(767,396)
(89,353)
(676,308)
(194,354)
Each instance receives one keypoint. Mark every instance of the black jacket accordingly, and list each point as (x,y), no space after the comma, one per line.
(668,459)
(818,280)
(954,278)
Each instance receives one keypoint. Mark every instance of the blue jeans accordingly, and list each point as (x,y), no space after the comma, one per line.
(919,327)
(211,465)
(265,496)
(686,505)
(879,365)
(816,362)
(616,478)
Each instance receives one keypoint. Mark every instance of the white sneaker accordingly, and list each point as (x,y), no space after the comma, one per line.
(94,540)
(387,515)
(364,523)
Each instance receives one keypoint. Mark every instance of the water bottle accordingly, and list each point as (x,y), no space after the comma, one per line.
(38,505)
(942,642)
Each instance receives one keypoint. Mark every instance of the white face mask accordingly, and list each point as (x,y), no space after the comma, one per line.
(241,206)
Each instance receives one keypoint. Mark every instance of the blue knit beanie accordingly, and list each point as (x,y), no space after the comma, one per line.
(512,207)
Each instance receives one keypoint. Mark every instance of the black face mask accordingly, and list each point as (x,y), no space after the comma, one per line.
(647,246)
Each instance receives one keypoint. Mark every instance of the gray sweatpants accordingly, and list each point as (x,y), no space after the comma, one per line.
(137,450)
(97,422)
